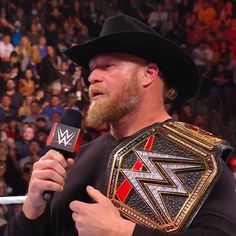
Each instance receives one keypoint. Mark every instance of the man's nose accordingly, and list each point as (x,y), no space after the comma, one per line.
(95,76)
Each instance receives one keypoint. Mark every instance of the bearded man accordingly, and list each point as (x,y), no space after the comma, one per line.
(149,175)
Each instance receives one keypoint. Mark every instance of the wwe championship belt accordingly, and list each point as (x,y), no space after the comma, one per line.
(162,175)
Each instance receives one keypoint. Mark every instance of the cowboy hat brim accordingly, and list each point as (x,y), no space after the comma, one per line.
(178,68)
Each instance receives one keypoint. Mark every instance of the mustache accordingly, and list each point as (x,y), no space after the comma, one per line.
(95,88)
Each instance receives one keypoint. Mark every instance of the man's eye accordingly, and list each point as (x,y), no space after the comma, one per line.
(103,67)
(106,66)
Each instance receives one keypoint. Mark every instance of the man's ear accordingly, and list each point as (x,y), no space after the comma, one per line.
(151,74)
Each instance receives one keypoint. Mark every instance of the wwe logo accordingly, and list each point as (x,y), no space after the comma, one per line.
(64,137)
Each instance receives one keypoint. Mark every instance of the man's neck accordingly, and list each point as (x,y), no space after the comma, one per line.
(134,122)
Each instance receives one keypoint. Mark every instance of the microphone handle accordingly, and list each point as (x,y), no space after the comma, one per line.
(47,195)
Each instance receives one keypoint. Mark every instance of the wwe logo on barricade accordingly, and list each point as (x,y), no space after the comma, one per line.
(64,137)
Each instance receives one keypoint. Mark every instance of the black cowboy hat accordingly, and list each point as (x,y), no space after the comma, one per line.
(122,33)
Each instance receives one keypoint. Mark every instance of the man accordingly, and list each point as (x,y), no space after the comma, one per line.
(53,106)
(22,144)
(35,111)
(160,174)
(16,98)
(5,48)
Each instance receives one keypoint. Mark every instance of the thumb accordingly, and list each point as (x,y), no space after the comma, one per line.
(96,195)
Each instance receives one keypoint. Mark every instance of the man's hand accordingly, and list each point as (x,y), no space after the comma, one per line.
(101,218)
(48,173)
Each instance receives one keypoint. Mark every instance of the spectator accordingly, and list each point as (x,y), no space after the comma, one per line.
(55,117)
(229,9)
(54,106)
(71,100)
(17,35)
(27,83)
(64,77)
(34,34)
(222,52)
(55,88)
(42,122)
(48,68)
(8,172)
(35,111)
(22,144)
(169,24)
(61,46)
(20,15)
(13,62)
(195,33)
(80,90)
(40,96)
(206,13)
(16,97)
(6,26)
(6,105)
(157,16)
(5,48)
(200,121)
(230,32)
(202,55)
(186,113)
(215,27)
(42,46)
(56,17)
(220,87)
(83,35)
(41,137)
(78,74)
(12,130)
(34,150)
(5,210)
(26,172)
(24,51)
(33,65)
(11,147)
(51,33)
(24,110)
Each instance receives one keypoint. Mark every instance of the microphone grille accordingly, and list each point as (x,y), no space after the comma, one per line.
(72,118)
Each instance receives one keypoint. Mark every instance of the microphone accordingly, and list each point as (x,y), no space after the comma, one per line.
(64,138)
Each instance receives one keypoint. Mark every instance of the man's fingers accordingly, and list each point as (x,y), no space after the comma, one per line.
(56,156)
(78,206)
(96,195)
(70,162)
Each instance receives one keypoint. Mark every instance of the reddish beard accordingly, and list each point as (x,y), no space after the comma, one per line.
(112,108)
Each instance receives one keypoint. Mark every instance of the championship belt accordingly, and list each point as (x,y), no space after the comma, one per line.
(161,176)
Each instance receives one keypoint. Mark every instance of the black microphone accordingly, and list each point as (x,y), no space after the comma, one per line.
(64,137)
